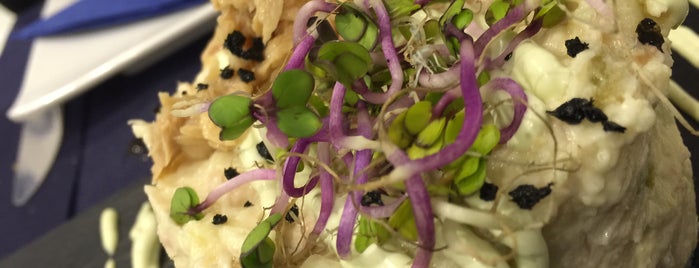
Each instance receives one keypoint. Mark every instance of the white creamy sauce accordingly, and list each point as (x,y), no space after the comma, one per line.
(145,248)
(109,234)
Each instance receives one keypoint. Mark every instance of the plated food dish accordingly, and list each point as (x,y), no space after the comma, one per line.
(426,134)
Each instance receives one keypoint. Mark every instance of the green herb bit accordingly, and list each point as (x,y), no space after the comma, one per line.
(353,25)
(483,78)
(453,10)
(258,248)
(418,116)
(462,19)
(497,10)
(298,122)
(400,8)
(403,221)
(472,183)
(292,88)
(553,17)
(343,61)
(232,114)
(369,232)
(184,199)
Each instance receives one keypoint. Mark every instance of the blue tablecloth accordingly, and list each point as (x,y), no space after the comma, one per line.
(94,161)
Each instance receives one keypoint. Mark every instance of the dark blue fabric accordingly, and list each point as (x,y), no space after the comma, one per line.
(93,162)
(91,14)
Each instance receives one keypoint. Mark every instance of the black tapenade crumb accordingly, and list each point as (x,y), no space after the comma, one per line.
(256,51)
(488,192)
(508,56)
(263,151)
(294,209)
(527,196)
(202,86)
(577,109)
(370,198)
(227,73)
(234,42)
(572,111)
(219,219)
(613,127)
(230,173)
(247,204)
(246,75)
(575,46)
(648,32)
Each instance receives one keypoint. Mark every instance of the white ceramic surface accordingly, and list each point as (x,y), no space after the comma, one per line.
(63,66)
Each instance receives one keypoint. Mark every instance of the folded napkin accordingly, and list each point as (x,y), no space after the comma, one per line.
(91,14)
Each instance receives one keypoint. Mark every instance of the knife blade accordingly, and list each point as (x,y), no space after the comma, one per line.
(39,143)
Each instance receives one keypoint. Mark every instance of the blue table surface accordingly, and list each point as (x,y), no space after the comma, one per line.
(94,161)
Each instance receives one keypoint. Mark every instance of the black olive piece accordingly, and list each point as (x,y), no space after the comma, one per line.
(219,219)
(488,191)
(202,86)
(595,114)
(227,73)
(138,147)
(648,32)
(613,127)
(247,204)
(527,195)
(294,209)
(234,42)
(372,197)
(575,46)
(230,173)
(508,56)
(256,51)
(263,151)
(246,75)
(572,111)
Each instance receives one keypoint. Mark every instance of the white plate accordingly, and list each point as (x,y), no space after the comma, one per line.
(63,66)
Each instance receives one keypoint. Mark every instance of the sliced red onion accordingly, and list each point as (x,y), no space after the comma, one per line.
(232,184)
(519,98)
(327,191)
(424,222)
(304,15)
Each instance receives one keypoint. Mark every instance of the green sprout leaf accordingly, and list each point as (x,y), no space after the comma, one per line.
(418,116)
(453,10)
(497,10)
(397,133)
(462,19)
(403,221)
(232,114)
(292,88)
(400,8)
(182,201)
(350,23)
(472,183)
(228,110)
(344,61)
(298,122)
(488,138)
(258,248)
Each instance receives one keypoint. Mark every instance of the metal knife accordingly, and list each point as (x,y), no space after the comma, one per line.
(39,143)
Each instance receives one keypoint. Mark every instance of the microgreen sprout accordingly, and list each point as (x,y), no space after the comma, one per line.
(348,105)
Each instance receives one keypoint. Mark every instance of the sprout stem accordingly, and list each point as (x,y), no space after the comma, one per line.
(232,184)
